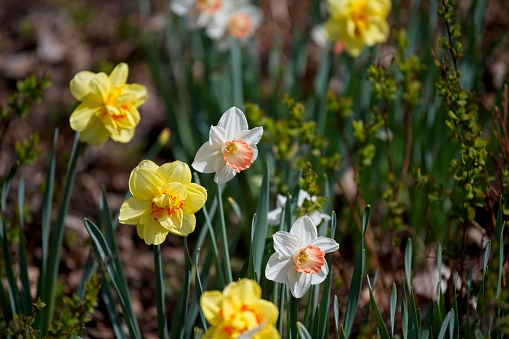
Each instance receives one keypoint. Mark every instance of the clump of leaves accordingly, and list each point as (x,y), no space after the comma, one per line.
(71,321)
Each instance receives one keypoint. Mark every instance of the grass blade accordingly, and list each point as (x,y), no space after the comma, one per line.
(358,273)
(26,298)
(303,332)
(104,252)
(47,206)
(336,315)
(162,326)
(199,288)
(384,334)
(394,299)
(261,225)
(408,264)
(6,253)
(48,282)
(109,302)
(180,316)
(445,325)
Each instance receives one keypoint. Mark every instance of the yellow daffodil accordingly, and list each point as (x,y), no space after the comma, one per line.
(239,312)
(164,201)
(109,106)
(358,23)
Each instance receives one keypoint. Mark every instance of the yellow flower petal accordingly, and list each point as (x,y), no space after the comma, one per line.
(100,87)
(143,183)
(268,310)
(188,225)
(81,116)
(196,198)
(94,133)
(148,164)
(139,93)
(152,233)
(268,332)
(210,303)
(132,209)
(175,171)
(118,76)
(125,135)
(80,84)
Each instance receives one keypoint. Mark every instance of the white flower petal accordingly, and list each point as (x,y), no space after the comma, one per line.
(251,137)
(205,159)
(181,7)
(299,282)
(285,243)
(317,217)
(224,174)
(305,230)
(321,275)
(233,121)
(217,136)
(274,216)
(303,195)
(325,244)
(277,269)
(281,200)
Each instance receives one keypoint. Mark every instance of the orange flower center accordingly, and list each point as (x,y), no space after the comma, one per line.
(309,260)
(209,6)
(165,204)
(238,155)
(240,26)
(245,319)
(111,107)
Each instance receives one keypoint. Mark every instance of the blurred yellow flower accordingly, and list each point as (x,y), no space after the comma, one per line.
(164,201)
(109,106)
(239,312)
(358,23)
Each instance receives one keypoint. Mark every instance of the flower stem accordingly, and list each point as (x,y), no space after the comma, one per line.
(162,326)
(226,253)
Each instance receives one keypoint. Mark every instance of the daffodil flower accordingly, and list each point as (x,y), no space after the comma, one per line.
(164,201)
(299,260)
(239,312)
(198,12)
(274,215)
(237,19)
(358,23)
(231,147)
(109,106)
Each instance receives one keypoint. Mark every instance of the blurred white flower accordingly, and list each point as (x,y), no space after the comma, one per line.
(319,36)
(199,12)
(299,260)
(238,19)
(274,215)
(231,147)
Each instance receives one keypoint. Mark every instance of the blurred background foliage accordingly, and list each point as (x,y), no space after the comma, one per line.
(415,127)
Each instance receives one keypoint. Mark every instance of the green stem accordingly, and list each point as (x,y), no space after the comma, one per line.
(294,308)
(226,253)
(162,326)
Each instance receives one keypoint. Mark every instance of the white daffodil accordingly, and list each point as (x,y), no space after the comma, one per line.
(275,215)
(198,12)
(231,147)
(237,19)
(299,260)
